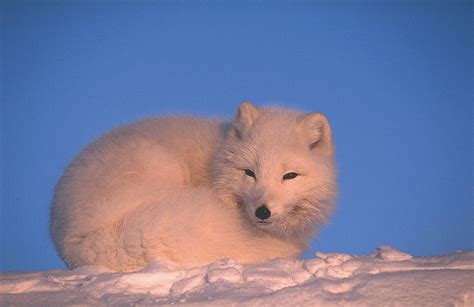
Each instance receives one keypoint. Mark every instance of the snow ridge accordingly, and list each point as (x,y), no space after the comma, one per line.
(387,276)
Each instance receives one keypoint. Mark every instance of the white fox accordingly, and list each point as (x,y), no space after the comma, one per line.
(189,190)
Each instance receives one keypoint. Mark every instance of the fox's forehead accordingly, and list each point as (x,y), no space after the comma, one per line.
(281,137)
(273,153)
(275,141)
(277,121)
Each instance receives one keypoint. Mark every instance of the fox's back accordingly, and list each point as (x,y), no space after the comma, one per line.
(191,140)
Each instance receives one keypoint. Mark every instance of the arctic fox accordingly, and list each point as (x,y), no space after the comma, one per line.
(189,190)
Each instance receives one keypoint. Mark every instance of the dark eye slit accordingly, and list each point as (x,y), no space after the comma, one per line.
(249,173)
(291,175)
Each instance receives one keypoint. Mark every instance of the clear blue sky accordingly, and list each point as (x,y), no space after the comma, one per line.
(395,79)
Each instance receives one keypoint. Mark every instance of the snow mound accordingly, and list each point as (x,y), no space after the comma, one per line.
(387,276)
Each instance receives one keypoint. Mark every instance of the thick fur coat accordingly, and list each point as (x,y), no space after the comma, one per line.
(191,190)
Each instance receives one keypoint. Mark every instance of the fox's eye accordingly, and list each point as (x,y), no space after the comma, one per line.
(249,173)
(290,176)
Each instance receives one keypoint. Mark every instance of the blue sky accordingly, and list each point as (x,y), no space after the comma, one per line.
(395,79)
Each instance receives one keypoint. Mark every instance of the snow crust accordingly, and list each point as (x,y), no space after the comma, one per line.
(386,277)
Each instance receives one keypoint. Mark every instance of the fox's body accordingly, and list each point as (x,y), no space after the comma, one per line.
(186,190)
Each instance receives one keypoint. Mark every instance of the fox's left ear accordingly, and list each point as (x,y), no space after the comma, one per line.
(315,128)
(246,115)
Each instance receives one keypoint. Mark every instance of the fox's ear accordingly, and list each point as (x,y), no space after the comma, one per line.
(317,132)
(246,115)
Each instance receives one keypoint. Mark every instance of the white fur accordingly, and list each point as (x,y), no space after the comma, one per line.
(174,188)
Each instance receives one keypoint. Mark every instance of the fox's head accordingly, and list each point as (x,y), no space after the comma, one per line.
(277,165)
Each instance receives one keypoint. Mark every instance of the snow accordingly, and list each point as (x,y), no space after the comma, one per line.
(387,276)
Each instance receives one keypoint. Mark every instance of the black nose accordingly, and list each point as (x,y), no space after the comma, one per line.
(262,212)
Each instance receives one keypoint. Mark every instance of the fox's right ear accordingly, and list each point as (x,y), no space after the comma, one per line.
(246,115)
(317,132)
